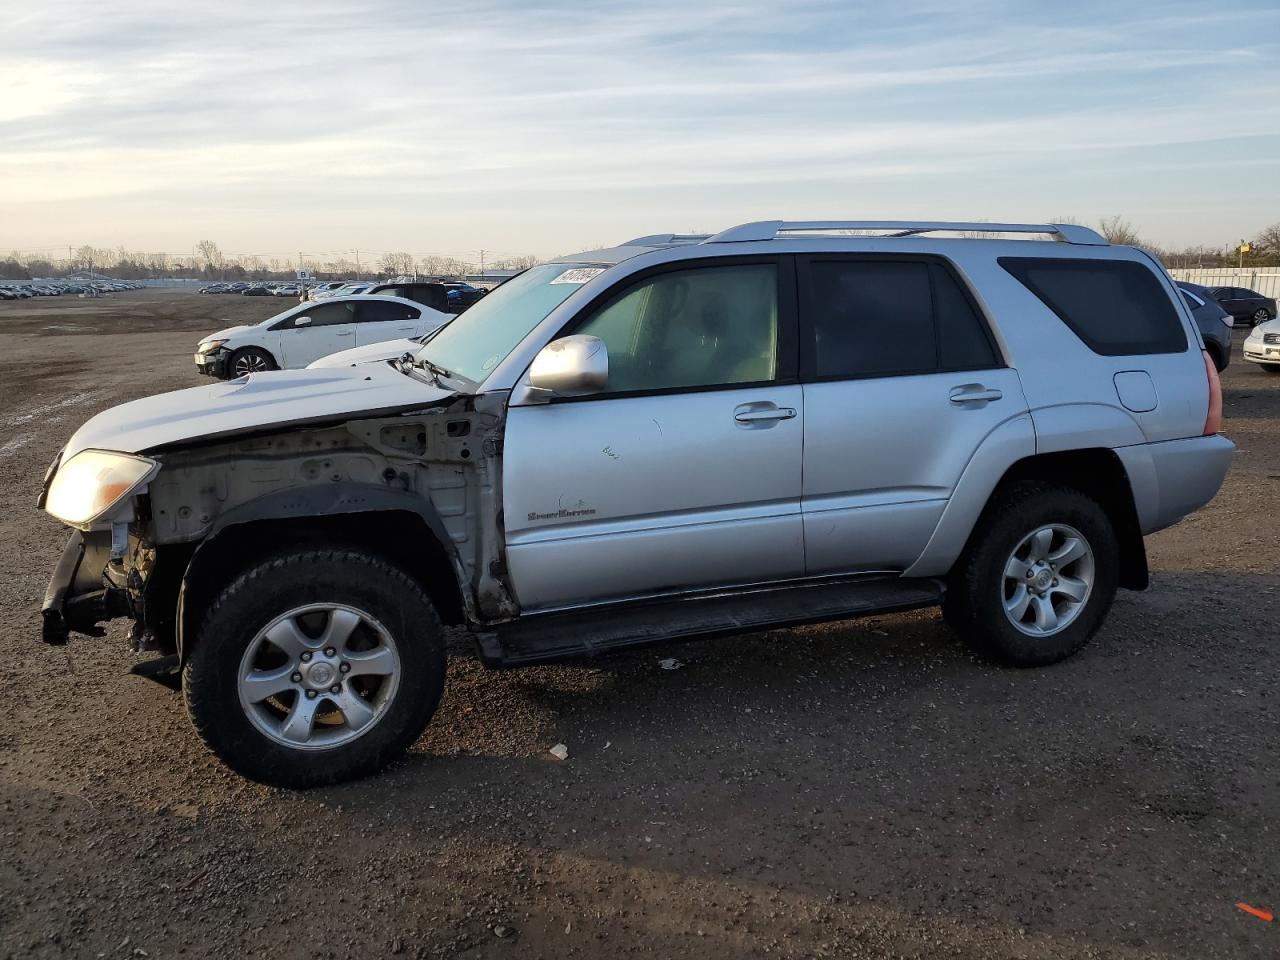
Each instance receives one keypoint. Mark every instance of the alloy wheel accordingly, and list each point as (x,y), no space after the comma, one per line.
(1047,580)
(319,676)
(248,363)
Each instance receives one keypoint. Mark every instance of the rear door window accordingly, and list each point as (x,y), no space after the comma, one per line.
(1117,307)
(380,311)
(887,317)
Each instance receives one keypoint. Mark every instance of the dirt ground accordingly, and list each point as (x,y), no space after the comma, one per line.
(861,789)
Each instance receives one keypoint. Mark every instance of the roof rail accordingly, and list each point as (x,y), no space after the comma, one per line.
(661,239)
(770,229)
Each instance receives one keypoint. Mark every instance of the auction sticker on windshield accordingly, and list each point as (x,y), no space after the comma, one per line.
(578,274)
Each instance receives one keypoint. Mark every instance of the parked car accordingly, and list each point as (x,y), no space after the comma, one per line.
(345,290)
(1262,346)
(783,423)
(373,353)
(1245,304)
(429,293)
(322,290)
(1214,322)
(308,331)
(285,290)
(462,294)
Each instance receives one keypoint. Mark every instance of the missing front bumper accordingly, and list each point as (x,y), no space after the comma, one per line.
(80,595)
(214,364)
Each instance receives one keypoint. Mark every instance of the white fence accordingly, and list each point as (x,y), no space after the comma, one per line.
(1263,280)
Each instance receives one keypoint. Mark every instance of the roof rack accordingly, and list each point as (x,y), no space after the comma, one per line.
(663,239)
(770,229)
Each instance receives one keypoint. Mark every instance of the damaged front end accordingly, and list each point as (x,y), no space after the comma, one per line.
(96,492)
(423,484)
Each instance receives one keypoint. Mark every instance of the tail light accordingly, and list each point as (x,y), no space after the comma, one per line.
(1213,422)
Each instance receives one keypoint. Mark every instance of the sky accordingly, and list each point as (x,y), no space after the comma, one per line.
(544,128)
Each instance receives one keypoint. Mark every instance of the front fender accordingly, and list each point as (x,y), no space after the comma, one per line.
(341,499)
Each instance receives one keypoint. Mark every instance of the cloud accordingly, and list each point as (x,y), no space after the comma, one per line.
(488,106)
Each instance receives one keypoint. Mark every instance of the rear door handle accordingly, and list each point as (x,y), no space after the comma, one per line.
(974,393)
(749,414)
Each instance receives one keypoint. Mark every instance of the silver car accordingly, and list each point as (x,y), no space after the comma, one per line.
(680,436)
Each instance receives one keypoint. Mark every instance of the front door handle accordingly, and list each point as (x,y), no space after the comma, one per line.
(748,413)
(974,393)
(347,334)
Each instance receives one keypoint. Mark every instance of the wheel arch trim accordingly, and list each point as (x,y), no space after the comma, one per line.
(335,500)
(1010,442)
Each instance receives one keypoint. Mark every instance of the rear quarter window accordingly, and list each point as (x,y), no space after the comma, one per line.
(1117,307)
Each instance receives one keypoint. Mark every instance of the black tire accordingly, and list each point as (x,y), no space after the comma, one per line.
(255,359)
(1215,354)
(1259,316)
(1270,367)
(210,679)
(974,602)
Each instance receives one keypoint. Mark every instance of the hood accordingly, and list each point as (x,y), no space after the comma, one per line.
(1267,326)
(225,333)
(370,353)
(256,402)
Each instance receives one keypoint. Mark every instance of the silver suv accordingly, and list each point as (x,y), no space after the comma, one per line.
(681,436)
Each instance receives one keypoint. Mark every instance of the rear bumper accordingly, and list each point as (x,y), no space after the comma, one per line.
(1175,477)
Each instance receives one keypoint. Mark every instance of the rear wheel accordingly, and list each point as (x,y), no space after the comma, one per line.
(1260,316)
(315,667)
(1038,578)
(251,360)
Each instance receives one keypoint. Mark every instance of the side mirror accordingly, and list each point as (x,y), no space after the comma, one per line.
(573,366)
(302,321)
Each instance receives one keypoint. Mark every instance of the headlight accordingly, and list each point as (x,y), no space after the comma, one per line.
(209,346)
(94,481)
(1228,320)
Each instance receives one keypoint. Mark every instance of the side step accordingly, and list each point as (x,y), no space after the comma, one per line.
(555,636)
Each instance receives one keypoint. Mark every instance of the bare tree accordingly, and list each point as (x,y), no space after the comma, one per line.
(210,253)
(1118,230)
(515,263)
(1268,239)
(396,264)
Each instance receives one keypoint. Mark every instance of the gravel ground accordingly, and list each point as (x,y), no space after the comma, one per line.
(860,789)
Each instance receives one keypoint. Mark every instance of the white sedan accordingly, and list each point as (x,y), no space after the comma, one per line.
(301,334)
(1262,346)
(373,353)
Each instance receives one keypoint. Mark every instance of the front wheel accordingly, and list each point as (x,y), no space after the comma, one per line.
(251,360)
(1260,316)
(1038,578)
(315,667)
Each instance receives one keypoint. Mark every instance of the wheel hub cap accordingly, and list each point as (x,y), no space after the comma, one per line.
(320,675)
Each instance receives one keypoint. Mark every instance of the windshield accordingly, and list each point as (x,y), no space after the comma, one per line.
(476,341)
